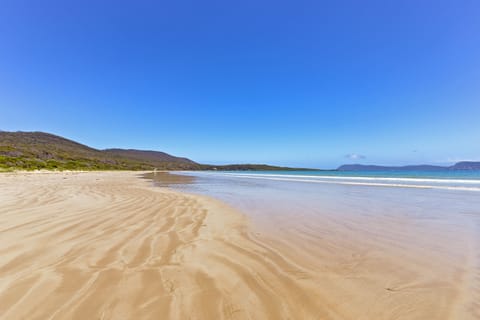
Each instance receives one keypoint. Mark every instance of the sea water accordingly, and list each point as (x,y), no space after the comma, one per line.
(452,195)
(446,204)
(464,180)
(408,221)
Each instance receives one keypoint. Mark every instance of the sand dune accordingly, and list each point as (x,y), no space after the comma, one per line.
(109,246)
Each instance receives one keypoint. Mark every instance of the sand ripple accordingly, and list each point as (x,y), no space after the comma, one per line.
(109,246)
(106,246)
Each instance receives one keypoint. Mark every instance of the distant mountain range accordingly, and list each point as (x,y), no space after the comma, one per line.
(464,165)
(40,150)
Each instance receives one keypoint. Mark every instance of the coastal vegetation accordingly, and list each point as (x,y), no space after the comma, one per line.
(253,167)
(45,151)
(38,150)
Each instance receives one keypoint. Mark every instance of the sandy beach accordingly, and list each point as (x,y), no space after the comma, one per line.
(110,245)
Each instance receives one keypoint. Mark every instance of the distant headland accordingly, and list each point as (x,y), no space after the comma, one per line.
(463,165)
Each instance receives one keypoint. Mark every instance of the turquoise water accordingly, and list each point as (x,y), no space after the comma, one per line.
(443,174)
(445,180)
(423,195)
(431,219)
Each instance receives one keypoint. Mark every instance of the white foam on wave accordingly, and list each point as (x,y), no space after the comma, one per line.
(460,181)
(363,181)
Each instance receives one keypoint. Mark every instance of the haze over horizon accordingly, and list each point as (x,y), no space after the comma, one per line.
(300,83)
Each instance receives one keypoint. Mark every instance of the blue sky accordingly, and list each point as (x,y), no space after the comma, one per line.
(306,83)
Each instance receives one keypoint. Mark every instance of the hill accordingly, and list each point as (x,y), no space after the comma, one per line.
(466,165)
(39,150)
(147,155)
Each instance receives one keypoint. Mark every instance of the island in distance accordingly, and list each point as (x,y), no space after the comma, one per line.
(463,165)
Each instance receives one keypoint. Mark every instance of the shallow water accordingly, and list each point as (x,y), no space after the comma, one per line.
(449,216)
(260,193)
(407,236)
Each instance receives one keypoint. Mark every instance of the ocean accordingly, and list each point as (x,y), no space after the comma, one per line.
(419,231)
(461,180)
(454,196)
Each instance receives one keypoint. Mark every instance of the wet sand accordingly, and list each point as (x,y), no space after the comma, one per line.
(109,245)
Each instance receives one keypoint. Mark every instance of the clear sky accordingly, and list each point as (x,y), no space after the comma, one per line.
(301,83)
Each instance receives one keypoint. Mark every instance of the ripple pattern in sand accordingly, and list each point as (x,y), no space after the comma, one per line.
(90,247)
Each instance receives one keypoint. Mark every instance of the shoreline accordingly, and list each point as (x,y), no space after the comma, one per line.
(77,245)
(472,185)
(407,249)
(90,245)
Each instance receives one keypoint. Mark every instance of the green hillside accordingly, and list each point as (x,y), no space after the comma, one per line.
(39,150)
